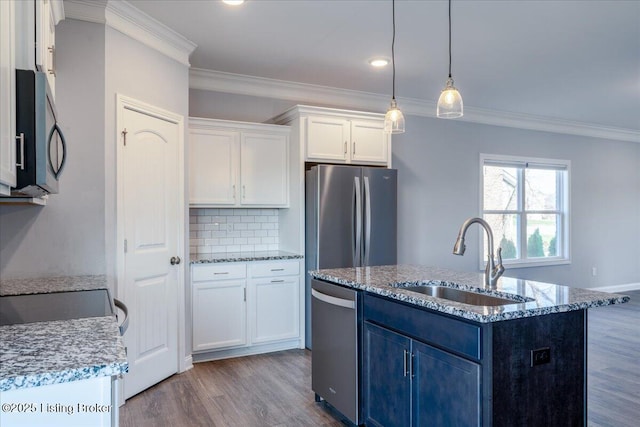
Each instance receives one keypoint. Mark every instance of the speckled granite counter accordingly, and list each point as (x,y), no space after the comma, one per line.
(242,256)
(43,353)
(530,298)
(47,285)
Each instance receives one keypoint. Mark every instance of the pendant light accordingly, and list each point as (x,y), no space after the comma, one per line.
(450,101)
(394,119)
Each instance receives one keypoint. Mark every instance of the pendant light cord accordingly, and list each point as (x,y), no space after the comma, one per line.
(393,43)
(449,38)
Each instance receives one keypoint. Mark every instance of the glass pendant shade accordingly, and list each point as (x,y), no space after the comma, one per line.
(450,102)
(394,119)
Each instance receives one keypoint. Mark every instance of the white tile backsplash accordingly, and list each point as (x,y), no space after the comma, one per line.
(232,230)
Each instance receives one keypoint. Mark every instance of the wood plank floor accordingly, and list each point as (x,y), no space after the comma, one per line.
(613,364)
(275,389)
(264,390)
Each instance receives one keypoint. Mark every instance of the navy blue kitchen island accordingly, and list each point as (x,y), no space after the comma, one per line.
(427,360)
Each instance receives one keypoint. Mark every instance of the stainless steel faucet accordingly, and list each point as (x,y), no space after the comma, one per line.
(492,272)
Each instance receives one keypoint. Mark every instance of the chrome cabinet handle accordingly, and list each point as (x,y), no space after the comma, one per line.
(345,147)
(175,260)
(234,191)
(354,148)
(244,192)
(21,139)
(404,362)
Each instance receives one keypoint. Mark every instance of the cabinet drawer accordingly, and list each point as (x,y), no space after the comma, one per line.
(223,271)
(280,268)
(424,325)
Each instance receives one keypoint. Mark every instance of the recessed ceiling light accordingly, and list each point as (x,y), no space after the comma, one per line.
(378,62)
(233,2)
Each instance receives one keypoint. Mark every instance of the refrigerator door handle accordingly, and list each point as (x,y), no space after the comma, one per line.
(367,221)
(357,218)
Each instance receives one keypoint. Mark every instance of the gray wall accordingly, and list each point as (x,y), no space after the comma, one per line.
(67,236)
(439,169)
(438,163)
(75,233)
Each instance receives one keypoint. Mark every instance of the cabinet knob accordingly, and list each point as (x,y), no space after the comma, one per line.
(175,260)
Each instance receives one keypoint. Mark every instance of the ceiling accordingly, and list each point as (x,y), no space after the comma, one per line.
(576,61)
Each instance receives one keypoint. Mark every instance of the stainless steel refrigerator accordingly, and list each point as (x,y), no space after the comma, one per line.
(351,220)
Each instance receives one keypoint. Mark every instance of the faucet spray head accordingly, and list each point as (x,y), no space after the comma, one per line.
(459,247)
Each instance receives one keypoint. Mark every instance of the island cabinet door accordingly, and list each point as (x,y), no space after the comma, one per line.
(387,380)
(446,389)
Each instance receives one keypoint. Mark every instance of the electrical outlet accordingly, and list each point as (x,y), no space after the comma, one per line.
(594,271)
(540,356)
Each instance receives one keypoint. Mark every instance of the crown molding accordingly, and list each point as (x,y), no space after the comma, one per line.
(57,11)
(239,84)
(218,81)
(122,16)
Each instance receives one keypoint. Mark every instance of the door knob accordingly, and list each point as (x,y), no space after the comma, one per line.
(175,260)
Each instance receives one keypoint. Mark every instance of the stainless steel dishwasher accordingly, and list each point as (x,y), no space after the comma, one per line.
(334,357)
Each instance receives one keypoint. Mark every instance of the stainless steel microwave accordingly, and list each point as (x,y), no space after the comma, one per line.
(41,147)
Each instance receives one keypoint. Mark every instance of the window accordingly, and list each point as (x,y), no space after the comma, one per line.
(526,203)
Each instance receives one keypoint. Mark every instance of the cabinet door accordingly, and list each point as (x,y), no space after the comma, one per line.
(7,98)
(446,389)
(46,41)
(212,167)
(274,309)
(264,169)
(369,143)
(219,314)
(387,381)
(327,139)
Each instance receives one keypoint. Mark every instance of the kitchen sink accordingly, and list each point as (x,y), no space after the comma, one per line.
(459,295)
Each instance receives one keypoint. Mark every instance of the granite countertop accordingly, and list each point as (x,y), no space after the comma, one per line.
(43,353)
(243,256)
(46,285)
(531,298)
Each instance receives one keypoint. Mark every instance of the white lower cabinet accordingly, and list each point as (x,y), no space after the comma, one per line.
(81,403)
(219,314)
(246,307)
(275,305)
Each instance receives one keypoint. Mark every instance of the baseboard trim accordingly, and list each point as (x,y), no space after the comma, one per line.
(208,356)
(619,288)
(187,364)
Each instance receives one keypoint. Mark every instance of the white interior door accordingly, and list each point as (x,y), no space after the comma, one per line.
(150,197)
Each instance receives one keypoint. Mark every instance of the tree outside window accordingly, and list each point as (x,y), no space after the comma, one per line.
(526,203)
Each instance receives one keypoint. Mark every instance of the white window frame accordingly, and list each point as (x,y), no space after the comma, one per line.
(563,208)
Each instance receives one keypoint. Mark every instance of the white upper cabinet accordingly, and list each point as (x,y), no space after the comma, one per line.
(213,164)
(36,36)
(340,136)
(7,97)
(369,143)
(47,14)
(328,138)
(263,166)
(237,164)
